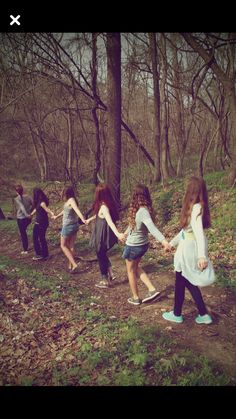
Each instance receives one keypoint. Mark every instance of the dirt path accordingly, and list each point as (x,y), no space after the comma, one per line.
(216,341)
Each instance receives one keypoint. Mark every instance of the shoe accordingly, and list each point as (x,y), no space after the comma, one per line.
(74,271)
(134,301)
(169,315)
(24,252)
(150,296)
(112,277)
(37,257)
(103,284)
(46,257)
(206,319)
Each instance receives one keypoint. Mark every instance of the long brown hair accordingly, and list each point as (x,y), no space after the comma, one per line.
(141,198)
(103,195)
(39,197)
(196,192)
(67,193)
(19,189)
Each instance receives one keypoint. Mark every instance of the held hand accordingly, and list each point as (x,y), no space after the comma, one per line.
(86,222)
(122,237)
(202,264)
(167,246)
(54,217)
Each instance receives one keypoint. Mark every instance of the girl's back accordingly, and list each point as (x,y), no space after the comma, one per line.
(24,200)
(138,236)
(41,215)
(69,215)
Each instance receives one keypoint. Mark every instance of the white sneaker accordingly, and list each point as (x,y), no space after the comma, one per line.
(206,319)
(37,258)
(24,252)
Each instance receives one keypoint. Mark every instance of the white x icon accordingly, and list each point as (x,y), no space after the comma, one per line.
(15,20)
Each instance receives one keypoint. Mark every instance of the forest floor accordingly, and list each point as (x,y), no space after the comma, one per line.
(43,328)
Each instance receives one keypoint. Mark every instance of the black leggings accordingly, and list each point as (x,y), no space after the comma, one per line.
(39,239)
(103,261)
(180,284)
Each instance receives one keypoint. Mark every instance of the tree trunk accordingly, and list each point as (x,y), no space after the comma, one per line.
(180,138)
(165,119)
(157,106)
(70,146)
(114,112)
(228,83)
(2,216)
(94,110)
(37,155)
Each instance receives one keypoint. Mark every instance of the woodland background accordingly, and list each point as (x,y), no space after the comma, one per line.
(123,108)
(92,106)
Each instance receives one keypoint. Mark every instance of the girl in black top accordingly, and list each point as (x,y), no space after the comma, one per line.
(41,210)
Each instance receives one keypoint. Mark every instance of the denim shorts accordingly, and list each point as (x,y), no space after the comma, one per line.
(134,252)
(69,230)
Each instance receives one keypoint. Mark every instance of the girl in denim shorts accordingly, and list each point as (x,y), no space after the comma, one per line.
(140,224)
(70,226)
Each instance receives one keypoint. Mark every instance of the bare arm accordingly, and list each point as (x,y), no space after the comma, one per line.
(90,219)
(127,231)
(76,209)
(47,209)
(58,215)
(106,213)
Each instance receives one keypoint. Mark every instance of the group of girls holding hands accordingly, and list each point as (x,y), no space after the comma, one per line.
(191,263)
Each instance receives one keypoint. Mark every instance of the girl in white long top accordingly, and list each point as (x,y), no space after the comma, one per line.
(192,265)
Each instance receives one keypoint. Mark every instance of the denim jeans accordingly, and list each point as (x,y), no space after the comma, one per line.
(39,239)
(180,284)
(22,225)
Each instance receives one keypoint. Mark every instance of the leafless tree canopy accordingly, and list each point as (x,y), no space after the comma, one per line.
(117,107)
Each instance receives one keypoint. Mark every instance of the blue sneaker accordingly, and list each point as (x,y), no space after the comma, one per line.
(206,319)
(169,315)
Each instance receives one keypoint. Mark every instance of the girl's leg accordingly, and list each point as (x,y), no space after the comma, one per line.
(37,247)
(180,284)
(131,271)
(22,225)
(197,297)
(66,250)
(71,246)
(111,273)
(103,261)
(143,276)
(43,241)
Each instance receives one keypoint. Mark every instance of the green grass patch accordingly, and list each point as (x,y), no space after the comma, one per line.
(9,227)
(129,355)
(82,244)
(226,278)
(38,279)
